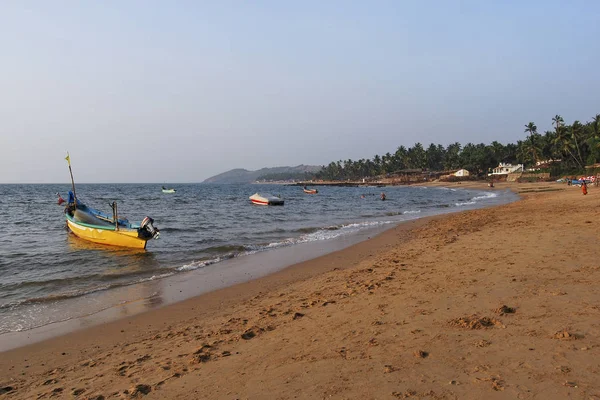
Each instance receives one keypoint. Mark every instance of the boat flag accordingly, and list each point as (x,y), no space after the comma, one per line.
(68,159)
(60,199)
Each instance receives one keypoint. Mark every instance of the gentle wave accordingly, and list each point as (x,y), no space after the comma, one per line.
(315,234)
(474,200)
(75,279)
(79,293)
(226,249)
(201,264)
(307,230)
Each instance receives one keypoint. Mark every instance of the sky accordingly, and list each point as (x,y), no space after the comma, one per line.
(159,91)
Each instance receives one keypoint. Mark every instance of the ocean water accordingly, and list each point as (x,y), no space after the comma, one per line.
(42,265)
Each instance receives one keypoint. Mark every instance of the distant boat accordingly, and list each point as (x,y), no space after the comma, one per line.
(310,191)
(266,199)
(165,190)
(95,226)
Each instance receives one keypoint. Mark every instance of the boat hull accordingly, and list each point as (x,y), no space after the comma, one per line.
(168,190)
(107,235)
(259,202)
(266,203)
(314,191)
(266,200)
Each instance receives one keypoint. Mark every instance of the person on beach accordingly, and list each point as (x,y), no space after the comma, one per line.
(583,187)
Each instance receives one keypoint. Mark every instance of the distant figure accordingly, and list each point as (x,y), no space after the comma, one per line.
(362,196)
(60,199)
(382,196)
(568,182)
(583,187)
(491,184)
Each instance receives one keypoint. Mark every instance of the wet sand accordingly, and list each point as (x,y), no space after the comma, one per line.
(494,303)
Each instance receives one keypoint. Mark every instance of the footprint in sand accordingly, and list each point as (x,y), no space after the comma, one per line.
(249,334)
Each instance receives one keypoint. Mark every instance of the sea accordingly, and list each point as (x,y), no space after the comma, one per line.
(47,275)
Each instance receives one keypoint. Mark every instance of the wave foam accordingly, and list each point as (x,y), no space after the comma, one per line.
(475,199)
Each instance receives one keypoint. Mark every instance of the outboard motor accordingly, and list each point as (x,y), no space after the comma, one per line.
(148,230)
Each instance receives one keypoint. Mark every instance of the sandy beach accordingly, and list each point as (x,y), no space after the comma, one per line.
(492,303)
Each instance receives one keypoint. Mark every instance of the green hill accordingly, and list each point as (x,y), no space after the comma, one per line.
(240,175)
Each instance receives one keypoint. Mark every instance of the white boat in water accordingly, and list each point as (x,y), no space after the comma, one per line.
(265,199)
(165,190)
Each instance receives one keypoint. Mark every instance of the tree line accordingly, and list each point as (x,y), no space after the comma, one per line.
(575,145)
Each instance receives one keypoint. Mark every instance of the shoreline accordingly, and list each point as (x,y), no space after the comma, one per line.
(108,305)
(347,324)
(164,292)
(206,305)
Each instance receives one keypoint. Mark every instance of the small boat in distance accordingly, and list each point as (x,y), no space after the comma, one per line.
(266,199)
(165,190)
(310,191)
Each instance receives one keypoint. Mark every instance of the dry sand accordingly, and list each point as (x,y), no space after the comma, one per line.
(495,303)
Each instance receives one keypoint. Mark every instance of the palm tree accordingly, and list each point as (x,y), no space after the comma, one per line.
(377,164)
(558,121)
(348,168)
(417,156)
(563,144)
(549,149)
(531,128)
(386,161)
(531,145)
(452,159)
(401,157)
(521,153)
(595,124)
(575,135)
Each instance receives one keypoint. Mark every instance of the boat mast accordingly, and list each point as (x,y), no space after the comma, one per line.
(115,215)
(68,158)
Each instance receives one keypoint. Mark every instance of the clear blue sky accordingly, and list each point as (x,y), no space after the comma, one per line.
(148,91)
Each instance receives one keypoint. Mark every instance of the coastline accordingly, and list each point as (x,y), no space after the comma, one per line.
(151,295)
(348,323)
(46,317)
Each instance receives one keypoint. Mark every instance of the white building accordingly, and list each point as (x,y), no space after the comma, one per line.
(506,168)
(461,172)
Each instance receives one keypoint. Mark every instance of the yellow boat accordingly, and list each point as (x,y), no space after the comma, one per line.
(109,236)
(95,226)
